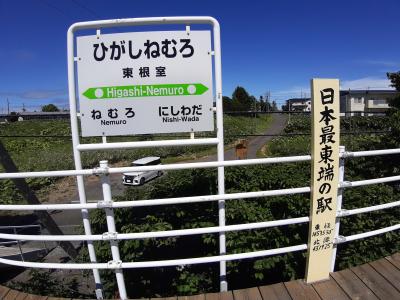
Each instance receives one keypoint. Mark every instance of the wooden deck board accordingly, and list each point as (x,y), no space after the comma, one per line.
(11,295)
(299,290)
(329,290)
(196,297)
(34,297)
(247,294)
(220,296)
(3,291)
(276,291)
(352,285)
(394,259)
(21,296)
(376,282)
(387,270)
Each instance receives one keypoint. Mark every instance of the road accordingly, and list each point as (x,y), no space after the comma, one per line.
(93,186)
(255,143)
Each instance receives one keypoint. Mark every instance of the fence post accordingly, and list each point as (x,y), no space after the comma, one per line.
(339,204)
(112,231)
(220,153)
(44,242)
(77,156)
(19,245)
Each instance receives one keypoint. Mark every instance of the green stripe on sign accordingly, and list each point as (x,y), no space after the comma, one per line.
(151,90)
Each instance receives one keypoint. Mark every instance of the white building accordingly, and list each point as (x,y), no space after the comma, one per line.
(352,102)
(299,104)
(365,102)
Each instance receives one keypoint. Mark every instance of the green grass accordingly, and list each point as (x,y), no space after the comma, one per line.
(55,153)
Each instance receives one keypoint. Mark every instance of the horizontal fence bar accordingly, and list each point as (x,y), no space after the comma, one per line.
(358,183)
(168,167)
(185,200)
(348,132)
(154,234)
(159,263)
(9,243)
(344,239)
(37,174)
(147,144)
(371,153)
(155,202)
(350,212)
(182,166)
(20,226)
(213,164)
(193,199)
(200,260)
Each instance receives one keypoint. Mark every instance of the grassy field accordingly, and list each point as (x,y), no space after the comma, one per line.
(357,134)
(46,145)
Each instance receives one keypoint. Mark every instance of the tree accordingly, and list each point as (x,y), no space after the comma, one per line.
(254,104)
(395,79)
(227,103)
(274,106)
(393,138)
(395,82)
(242,100)
(50,108)
(262,104)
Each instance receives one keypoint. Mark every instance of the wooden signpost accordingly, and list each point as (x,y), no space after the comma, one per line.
(324,180)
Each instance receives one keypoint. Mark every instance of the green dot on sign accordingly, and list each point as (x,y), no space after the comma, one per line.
(98,93)
(191,89)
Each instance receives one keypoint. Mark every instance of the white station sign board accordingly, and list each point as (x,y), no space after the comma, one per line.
(145,82)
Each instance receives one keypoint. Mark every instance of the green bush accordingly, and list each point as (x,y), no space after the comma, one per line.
(302,124)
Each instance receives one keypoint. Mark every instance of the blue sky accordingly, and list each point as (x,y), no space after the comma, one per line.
(275,46)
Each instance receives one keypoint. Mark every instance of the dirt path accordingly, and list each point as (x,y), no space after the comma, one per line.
(276,127)
(255,143)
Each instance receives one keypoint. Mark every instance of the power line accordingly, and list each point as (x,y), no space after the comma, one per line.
(57,9)
(90,11)
(93,13)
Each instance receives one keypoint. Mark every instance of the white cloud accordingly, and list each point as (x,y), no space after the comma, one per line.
(294,92)
(378,62)
(366,83)
(35,94)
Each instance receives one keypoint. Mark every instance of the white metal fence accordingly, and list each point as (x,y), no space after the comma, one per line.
(113,237)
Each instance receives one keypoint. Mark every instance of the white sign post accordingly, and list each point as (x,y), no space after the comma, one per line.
(130,93)
(145,82)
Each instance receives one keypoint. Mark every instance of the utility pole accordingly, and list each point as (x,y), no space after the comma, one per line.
(8,107)
(269,98)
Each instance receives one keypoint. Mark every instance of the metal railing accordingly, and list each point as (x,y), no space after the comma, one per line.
(112,236)
(20,242)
